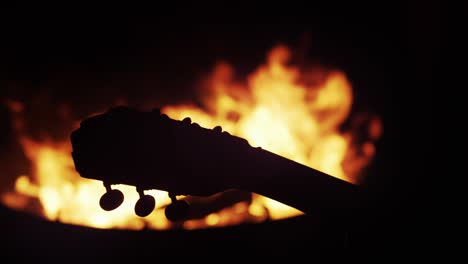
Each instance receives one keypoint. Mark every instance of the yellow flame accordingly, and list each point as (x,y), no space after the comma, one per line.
(282,115)
(293,113)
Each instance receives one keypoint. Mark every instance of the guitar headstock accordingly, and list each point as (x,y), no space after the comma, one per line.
(149,150)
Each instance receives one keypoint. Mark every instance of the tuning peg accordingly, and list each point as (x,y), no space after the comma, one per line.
(156,110)
(187,121)
(111,199)
(218,129)
(145,205)
(164,117)
(177,210)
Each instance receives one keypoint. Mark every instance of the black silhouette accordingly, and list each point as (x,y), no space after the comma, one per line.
(151,151)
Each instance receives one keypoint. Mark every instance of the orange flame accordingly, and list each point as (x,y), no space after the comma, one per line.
(280,108)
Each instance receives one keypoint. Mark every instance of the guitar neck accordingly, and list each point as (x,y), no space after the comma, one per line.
(299,186)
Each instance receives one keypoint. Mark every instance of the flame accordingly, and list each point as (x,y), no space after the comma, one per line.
(289,111)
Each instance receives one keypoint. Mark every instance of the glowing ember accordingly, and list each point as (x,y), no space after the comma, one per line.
(278,107)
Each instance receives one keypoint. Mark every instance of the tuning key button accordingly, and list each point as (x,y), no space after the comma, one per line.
(156,111)
(164,117)
(145,205)
(187,121)
(177,210)
(218,129)
(111,199)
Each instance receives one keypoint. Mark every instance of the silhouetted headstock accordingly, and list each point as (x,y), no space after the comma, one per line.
(152,151)
(149,150)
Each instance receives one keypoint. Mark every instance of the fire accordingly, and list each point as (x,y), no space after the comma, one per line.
(289,111)
(68,198)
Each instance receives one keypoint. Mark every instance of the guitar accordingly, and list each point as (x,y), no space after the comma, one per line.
(149,150)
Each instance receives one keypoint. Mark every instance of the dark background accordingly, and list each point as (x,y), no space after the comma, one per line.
(89,55)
